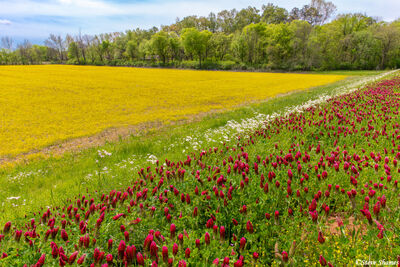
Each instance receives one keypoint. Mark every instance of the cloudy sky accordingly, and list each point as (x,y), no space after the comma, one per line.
(35,19)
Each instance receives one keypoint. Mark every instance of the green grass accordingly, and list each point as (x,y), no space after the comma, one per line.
(51,181)
(351,72)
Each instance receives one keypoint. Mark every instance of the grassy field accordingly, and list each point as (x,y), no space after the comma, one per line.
(51,181)
(310,151)
(350,72)
(44,105)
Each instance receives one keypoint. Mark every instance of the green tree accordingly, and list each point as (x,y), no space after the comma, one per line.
(350,23)
(301,52)
(273,14)
(207,41)
(39,53)
(365,50)
(196,42)
(279,44)
(73,52)
(246,16)
(144,49)
(239,47)
(255,38)
(389,37)
(227,20)
(174,46)
(131,49)
(105,49)
(222,43)
(212,22)
(159,42)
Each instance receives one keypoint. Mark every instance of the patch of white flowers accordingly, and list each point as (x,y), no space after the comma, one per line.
(22,176)
(15,201)
(233,128)
(125,164)
(151,158)
(103,153)
(361,83)
(12,198)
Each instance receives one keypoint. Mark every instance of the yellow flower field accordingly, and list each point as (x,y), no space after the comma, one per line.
(42,105)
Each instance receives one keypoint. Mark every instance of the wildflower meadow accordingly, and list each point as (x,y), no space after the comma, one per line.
(314,186)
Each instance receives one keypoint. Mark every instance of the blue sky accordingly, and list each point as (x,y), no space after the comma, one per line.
(35,20)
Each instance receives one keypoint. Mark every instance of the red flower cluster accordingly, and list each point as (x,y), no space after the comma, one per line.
(215,207)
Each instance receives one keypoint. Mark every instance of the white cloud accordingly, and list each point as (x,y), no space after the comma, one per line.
(87,8)
(172,8)
(5,22)
(95,5)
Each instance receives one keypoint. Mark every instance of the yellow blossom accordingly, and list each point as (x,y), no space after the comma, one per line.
(43,105)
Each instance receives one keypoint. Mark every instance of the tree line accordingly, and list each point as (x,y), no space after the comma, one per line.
(270,38)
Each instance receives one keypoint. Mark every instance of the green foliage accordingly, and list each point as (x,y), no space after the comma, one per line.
(270,38)
(159,43)
(73,53)
(273,14)
(196,43)
(131,49)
